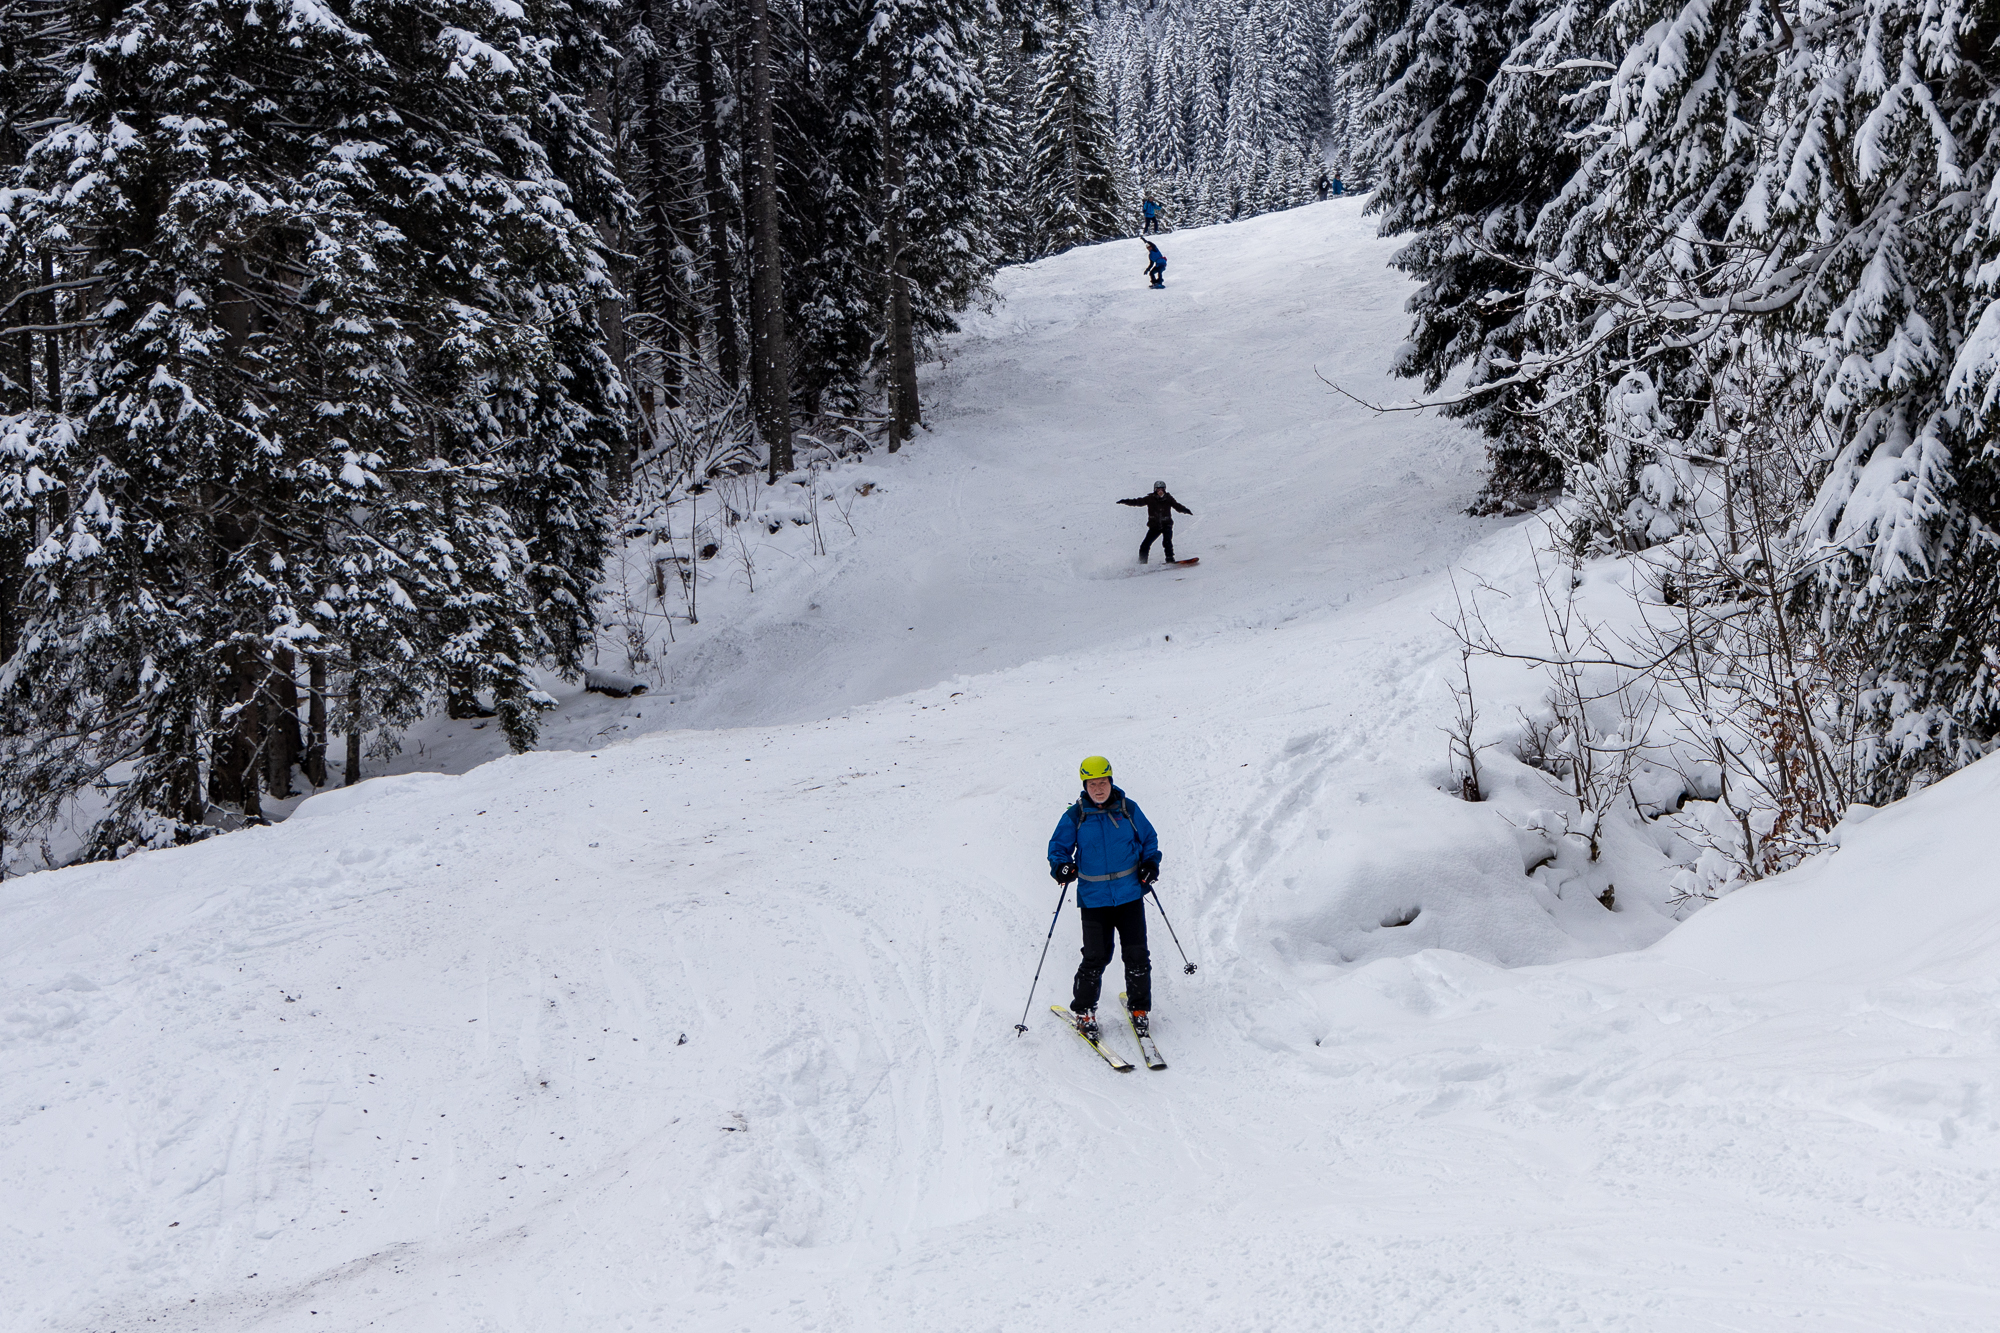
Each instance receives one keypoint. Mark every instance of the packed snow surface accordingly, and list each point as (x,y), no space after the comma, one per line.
(712,1028)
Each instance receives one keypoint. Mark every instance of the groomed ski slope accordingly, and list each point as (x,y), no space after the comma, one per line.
(414,1059)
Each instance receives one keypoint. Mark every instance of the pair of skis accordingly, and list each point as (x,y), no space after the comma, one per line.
(1149,1052)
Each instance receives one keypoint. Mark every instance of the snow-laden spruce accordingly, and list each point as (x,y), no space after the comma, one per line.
(1730,269)
(338,392)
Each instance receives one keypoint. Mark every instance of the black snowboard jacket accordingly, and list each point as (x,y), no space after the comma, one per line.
(1159,508)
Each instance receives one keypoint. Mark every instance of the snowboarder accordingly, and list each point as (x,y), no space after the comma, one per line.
(1106,842)
(1151,208)
(1160,508)
(1156,265)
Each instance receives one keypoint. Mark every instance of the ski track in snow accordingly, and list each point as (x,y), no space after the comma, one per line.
(413,1060)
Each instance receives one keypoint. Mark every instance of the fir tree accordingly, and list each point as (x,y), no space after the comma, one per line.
(1464,156)
(272,463)
(1075,190)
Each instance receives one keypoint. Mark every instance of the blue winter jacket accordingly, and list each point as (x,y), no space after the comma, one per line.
(1150,208)
(1107,844)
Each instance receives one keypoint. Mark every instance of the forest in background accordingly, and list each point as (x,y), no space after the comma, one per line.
(341,341)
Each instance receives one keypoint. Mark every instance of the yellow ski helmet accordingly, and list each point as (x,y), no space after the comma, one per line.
(1097,766)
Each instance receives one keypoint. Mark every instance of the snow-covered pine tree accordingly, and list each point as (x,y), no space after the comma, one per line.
(937,133)
(652,112)
(1883,199)
(1127,57)
(1251,101)
(1295,37)
(1621,402)
(1164,128)
(1208,121)
(1074,186)
(1463,155)
(34,44)
(1008,201)
(271,464)
(834,287)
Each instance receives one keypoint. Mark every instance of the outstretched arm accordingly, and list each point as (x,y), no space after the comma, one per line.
(1141,500)
(1183,508)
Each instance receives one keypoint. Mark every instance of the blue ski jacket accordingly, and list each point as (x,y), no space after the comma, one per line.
(1150,208)
(1106,842)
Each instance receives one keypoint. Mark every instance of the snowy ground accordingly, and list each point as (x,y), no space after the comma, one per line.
(336,1074)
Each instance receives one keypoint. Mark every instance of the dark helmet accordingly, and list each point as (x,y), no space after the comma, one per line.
(1159,485)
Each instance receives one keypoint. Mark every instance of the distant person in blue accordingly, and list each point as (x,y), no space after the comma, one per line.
(1338,188)
(1151,208)
(1156,265)
(1106,846)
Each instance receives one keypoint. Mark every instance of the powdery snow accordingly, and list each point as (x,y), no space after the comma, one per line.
(414,1059)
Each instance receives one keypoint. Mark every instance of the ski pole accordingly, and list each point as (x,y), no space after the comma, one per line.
(1190,969)
(1022,1026)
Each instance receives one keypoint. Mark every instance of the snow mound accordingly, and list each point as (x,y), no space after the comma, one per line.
(1914,892)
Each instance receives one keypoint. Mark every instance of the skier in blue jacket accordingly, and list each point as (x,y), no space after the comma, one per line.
(1106,842)
(1156,265)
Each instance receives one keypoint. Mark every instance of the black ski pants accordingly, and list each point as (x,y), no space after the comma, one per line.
(1164,534)
(1152,227)
(1128,921)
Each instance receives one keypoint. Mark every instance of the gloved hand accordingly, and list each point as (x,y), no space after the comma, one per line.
(1148,872)
(1062,872)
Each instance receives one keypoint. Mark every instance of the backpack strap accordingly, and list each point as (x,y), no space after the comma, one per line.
(1076,811)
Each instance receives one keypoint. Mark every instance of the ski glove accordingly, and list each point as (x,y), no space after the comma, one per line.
(1062,872)
(1148,872)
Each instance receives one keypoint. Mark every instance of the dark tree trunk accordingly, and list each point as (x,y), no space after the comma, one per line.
(721,272)
(316,719)
(248,732)
(13,554)
(353,773)
(611,313)
(770,353)
(660,284)
(51,341)
(282,745)
(904,410)
(225,782)
(184,794)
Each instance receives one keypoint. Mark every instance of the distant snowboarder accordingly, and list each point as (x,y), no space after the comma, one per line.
(1160,508)
(1106,841)
(1151,208)
(1156,265)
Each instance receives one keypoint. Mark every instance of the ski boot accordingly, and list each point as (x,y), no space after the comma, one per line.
(1086,1023)
(1139,1022)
